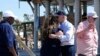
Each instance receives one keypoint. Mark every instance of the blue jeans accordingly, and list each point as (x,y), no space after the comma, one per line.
(68,50)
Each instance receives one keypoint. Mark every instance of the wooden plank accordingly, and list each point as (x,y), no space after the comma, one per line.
(37,1)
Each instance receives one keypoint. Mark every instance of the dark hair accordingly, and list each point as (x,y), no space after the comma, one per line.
(53,20)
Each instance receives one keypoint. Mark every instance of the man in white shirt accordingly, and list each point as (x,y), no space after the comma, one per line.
(67,39)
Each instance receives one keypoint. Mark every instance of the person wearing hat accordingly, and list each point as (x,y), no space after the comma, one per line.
(67,39)
(7,37)
(87,36)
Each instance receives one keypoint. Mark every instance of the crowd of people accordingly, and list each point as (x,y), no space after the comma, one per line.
(60,38)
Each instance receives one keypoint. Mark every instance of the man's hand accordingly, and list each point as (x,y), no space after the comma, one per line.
(91,26)
(12,50)
(59,33)
(56,35)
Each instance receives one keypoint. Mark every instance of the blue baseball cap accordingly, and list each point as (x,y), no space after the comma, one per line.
(60,13)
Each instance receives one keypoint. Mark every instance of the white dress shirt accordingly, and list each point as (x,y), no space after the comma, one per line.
(68,37)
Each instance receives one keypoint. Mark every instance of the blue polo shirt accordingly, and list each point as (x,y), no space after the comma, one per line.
(7,38)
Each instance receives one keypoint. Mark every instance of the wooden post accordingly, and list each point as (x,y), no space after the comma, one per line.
(47,13)
(61,5)
(77,8)
(36,25)
(25,34)
(97,9)
(84,6)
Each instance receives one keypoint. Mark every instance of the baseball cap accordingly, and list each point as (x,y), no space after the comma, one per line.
(9,13)
(60,13)
(93,14)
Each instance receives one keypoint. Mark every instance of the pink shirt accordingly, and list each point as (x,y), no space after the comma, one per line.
(87,43)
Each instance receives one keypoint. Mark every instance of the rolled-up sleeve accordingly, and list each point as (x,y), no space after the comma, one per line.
(9,36)
(81,30)
(68,33)
(80,27)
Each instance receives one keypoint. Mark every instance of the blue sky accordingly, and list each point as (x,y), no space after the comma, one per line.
(13,5)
